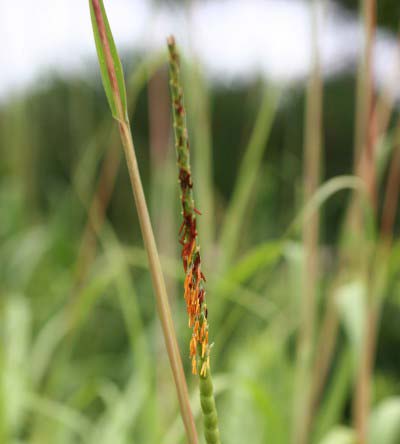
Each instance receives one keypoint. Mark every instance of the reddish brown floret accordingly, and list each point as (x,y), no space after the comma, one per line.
(194,293)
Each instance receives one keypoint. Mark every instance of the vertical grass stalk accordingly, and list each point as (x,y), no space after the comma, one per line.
(367,172)
(194,290)
(391,195)
(114,85)
(312,159)
(248,175)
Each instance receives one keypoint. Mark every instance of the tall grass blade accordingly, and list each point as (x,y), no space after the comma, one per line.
(367,171)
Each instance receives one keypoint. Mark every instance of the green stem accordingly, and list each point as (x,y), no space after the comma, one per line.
(158,284)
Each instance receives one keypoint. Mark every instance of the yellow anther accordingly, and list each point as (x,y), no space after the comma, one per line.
(194,365)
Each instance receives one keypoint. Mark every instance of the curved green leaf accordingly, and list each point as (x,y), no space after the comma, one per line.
(323,193)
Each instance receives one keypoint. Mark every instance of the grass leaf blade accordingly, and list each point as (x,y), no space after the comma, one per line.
(113,80)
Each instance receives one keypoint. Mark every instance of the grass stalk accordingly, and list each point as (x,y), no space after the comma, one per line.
(115,89)
(387,99)
(97,213)
(247,176)
(163,183)
(367,172)
(360,113)
(312,161)
(195,294)
(391,196)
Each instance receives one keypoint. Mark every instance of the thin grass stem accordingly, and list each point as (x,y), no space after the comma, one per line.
(247,176)
(368,174)
(312,171)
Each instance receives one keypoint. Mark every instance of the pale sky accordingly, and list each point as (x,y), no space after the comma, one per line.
(235,40)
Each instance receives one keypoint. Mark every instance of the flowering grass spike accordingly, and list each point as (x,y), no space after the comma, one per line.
(195,294)
(194,291)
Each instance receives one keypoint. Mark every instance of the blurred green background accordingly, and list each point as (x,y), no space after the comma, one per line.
(82,358)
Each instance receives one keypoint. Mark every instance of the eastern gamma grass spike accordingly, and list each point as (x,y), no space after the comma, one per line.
(194,286)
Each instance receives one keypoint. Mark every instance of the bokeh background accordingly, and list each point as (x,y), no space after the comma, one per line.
(286,101)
